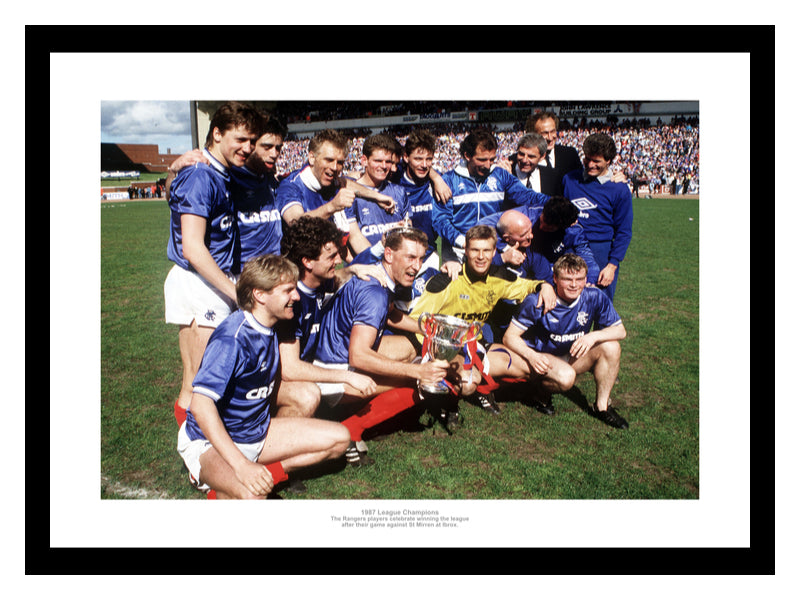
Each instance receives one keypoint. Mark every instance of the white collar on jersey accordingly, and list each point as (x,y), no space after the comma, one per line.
(310,181)
(305,289)
(389,282)
(255,324)
(572,305)
(218,166)
(605,178)
(601,179)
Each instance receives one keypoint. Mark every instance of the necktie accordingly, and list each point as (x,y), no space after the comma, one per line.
(547,158)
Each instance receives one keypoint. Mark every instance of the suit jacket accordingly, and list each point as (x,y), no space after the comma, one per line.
(547,179)
(567,159)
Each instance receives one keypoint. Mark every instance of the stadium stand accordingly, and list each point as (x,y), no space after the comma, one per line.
(661,158)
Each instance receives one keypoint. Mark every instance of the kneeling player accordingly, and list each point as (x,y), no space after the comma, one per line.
(556,347)
(228,441)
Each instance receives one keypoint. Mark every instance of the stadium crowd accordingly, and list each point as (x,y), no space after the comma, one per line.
(310,277)
(664,158)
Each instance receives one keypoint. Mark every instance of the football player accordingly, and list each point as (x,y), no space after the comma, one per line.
(200,290)
(581,333)
(229,441)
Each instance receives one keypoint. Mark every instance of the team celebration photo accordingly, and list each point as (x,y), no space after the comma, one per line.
(404,300)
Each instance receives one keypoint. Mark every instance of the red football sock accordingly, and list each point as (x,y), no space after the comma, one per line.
(381,408)
(211,495)
(277,472)
(180,414)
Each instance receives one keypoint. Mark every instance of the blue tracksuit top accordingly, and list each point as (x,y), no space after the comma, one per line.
(474,199)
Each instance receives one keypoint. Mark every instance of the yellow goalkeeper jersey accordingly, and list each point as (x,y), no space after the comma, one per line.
(472,298)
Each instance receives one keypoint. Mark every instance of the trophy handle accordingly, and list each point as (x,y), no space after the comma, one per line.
(423,321)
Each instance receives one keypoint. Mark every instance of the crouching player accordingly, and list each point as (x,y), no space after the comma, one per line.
(556,347)
(228,441)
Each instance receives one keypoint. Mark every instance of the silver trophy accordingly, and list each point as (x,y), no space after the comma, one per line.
(445,336)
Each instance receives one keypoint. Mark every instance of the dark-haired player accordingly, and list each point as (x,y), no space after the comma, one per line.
(368,220)
(253,190)
(479,189)
(313,244)
(550,231)
(199,291)
(606,208)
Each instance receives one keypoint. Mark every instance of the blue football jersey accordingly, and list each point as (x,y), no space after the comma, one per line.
(555,331)
(257,213)
(534,266)
(419,199)
(373,221)
(204,190)
(238,371)
(358,302)
(301,188)
(406,297)
(305,324)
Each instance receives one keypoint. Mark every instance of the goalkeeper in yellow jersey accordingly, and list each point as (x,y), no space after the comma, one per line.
(472,296)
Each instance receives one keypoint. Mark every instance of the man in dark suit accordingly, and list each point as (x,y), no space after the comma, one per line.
(558,160)
(524,165)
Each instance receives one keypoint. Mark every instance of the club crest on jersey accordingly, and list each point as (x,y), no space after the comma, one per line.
(583,317)
(492,184)
(210,315)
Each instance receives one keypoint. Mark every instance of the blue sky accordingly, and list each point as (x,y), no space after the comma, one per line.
(165,123)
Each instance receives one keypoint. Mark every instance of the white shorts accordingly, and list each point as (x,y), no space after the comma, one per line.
(331,392)
(191,451)
(188,297)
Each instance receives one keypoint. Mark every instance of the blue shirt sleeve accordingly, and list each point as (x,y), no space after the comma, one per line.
(288,194)
(190,192)
(575,242)
(623,225)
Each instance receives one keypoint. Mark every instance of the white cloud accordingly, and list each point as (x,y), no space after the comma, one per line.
(165,123)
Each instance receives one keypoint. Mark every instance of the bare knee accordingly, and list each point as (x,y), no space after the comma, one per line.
(611,351)
(302,401)
(562,379)
(341,441)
